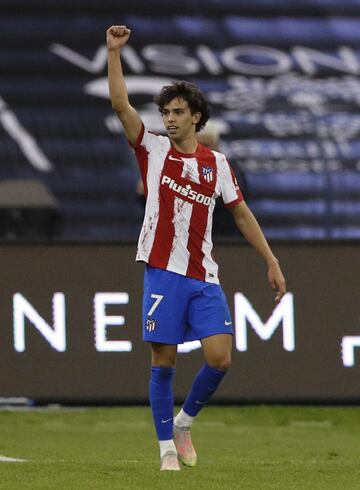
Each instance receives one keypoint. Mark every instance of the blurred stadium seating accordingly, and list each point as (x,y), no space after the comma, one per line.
(281,76)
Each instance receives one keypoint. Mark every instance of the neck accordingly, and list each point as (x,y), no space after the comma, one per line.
(187,145)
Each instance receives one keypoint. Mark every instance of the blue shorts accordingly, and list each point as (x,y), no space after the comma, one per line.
(179,309)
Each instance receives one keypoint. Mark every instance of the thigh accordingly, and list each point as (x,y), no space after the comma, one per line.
(208,314)
(164,307)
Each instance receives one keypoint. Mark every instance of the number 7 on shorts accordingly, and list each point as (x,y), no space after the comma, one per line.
(158,298)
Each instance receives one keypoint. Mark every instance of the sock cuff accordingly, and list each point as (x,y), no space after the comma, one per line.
(163,372)
(216,372)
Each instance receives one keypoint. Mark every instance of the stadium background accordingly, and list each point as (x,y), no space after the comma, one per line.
(283,82)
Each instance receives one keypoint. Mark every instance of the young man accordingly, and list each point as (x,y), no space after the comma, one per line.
(183,300)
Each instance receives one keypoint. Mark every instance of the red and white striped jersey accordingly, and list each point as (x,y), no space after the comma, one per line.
(181,190)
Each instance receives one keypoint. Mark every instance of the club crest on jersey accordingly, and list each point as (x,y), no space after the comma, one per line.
(150,325)
(207,173)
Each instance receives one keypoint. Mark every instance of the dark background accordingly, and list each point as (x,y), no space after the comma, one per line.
(323,278)
(282,78)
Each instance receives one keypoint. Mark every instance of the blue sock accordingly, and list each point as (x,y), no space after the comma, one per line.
(204,385)
(162,401)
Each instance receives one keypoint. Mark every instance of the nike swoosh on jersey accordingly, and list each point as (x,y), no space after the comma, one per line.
(165,421)
(174,159)
(228,323)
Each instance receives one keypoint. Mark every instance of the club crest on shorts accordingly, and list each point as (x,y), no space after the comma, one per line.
(150,325)
(207,173)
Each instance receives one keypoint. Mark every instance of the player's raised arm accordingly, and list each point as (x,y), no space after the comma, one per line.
(116,38)
(249,227)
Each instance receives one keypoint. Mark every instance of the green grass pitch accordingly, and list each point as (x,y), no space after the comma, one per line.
(251,447)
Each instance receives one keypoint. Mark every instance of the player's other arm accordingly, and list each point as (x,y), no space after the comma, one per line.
(116,38)
(249,227)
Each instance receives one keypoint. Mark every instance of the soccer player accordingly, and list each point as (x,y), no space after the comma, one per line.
(183,300)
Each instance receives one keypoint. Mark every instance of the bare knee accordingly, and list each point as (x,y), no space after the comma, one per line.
(222,363)
(163,355)
(217,351)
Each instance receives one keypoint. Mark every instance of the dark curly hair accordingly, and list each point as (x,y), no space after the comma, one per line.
(189,92)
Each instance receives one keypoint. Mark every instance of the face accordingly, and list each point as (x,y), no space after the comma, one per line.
(178,120)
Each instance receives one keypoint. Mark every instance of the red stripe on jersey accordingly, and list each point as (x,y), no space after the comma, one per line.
(165,230)
(196,236)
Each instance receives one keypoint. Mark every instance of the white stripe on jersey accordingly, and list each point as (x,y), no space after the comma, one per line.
(155,166)
(179,255)
(191,170)
(225,180)
(210,266)
(219,173)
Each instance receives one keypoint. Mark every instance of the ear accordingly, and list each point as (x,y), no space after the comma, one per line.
(196,117)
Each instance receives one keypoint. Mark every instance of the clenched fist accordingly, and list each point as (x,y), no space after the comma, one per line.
(117,36)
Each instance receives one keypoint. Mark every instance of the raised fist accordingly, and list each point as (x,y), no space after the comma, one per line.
(117,36)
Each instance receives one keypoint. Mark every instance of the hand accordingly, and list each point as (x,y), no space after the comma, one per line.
(277,281)
(117,36)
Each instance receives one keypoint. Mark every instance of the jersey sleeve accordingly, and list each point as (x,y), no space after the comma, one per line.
(149,149)
(147,140)
(230,190)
